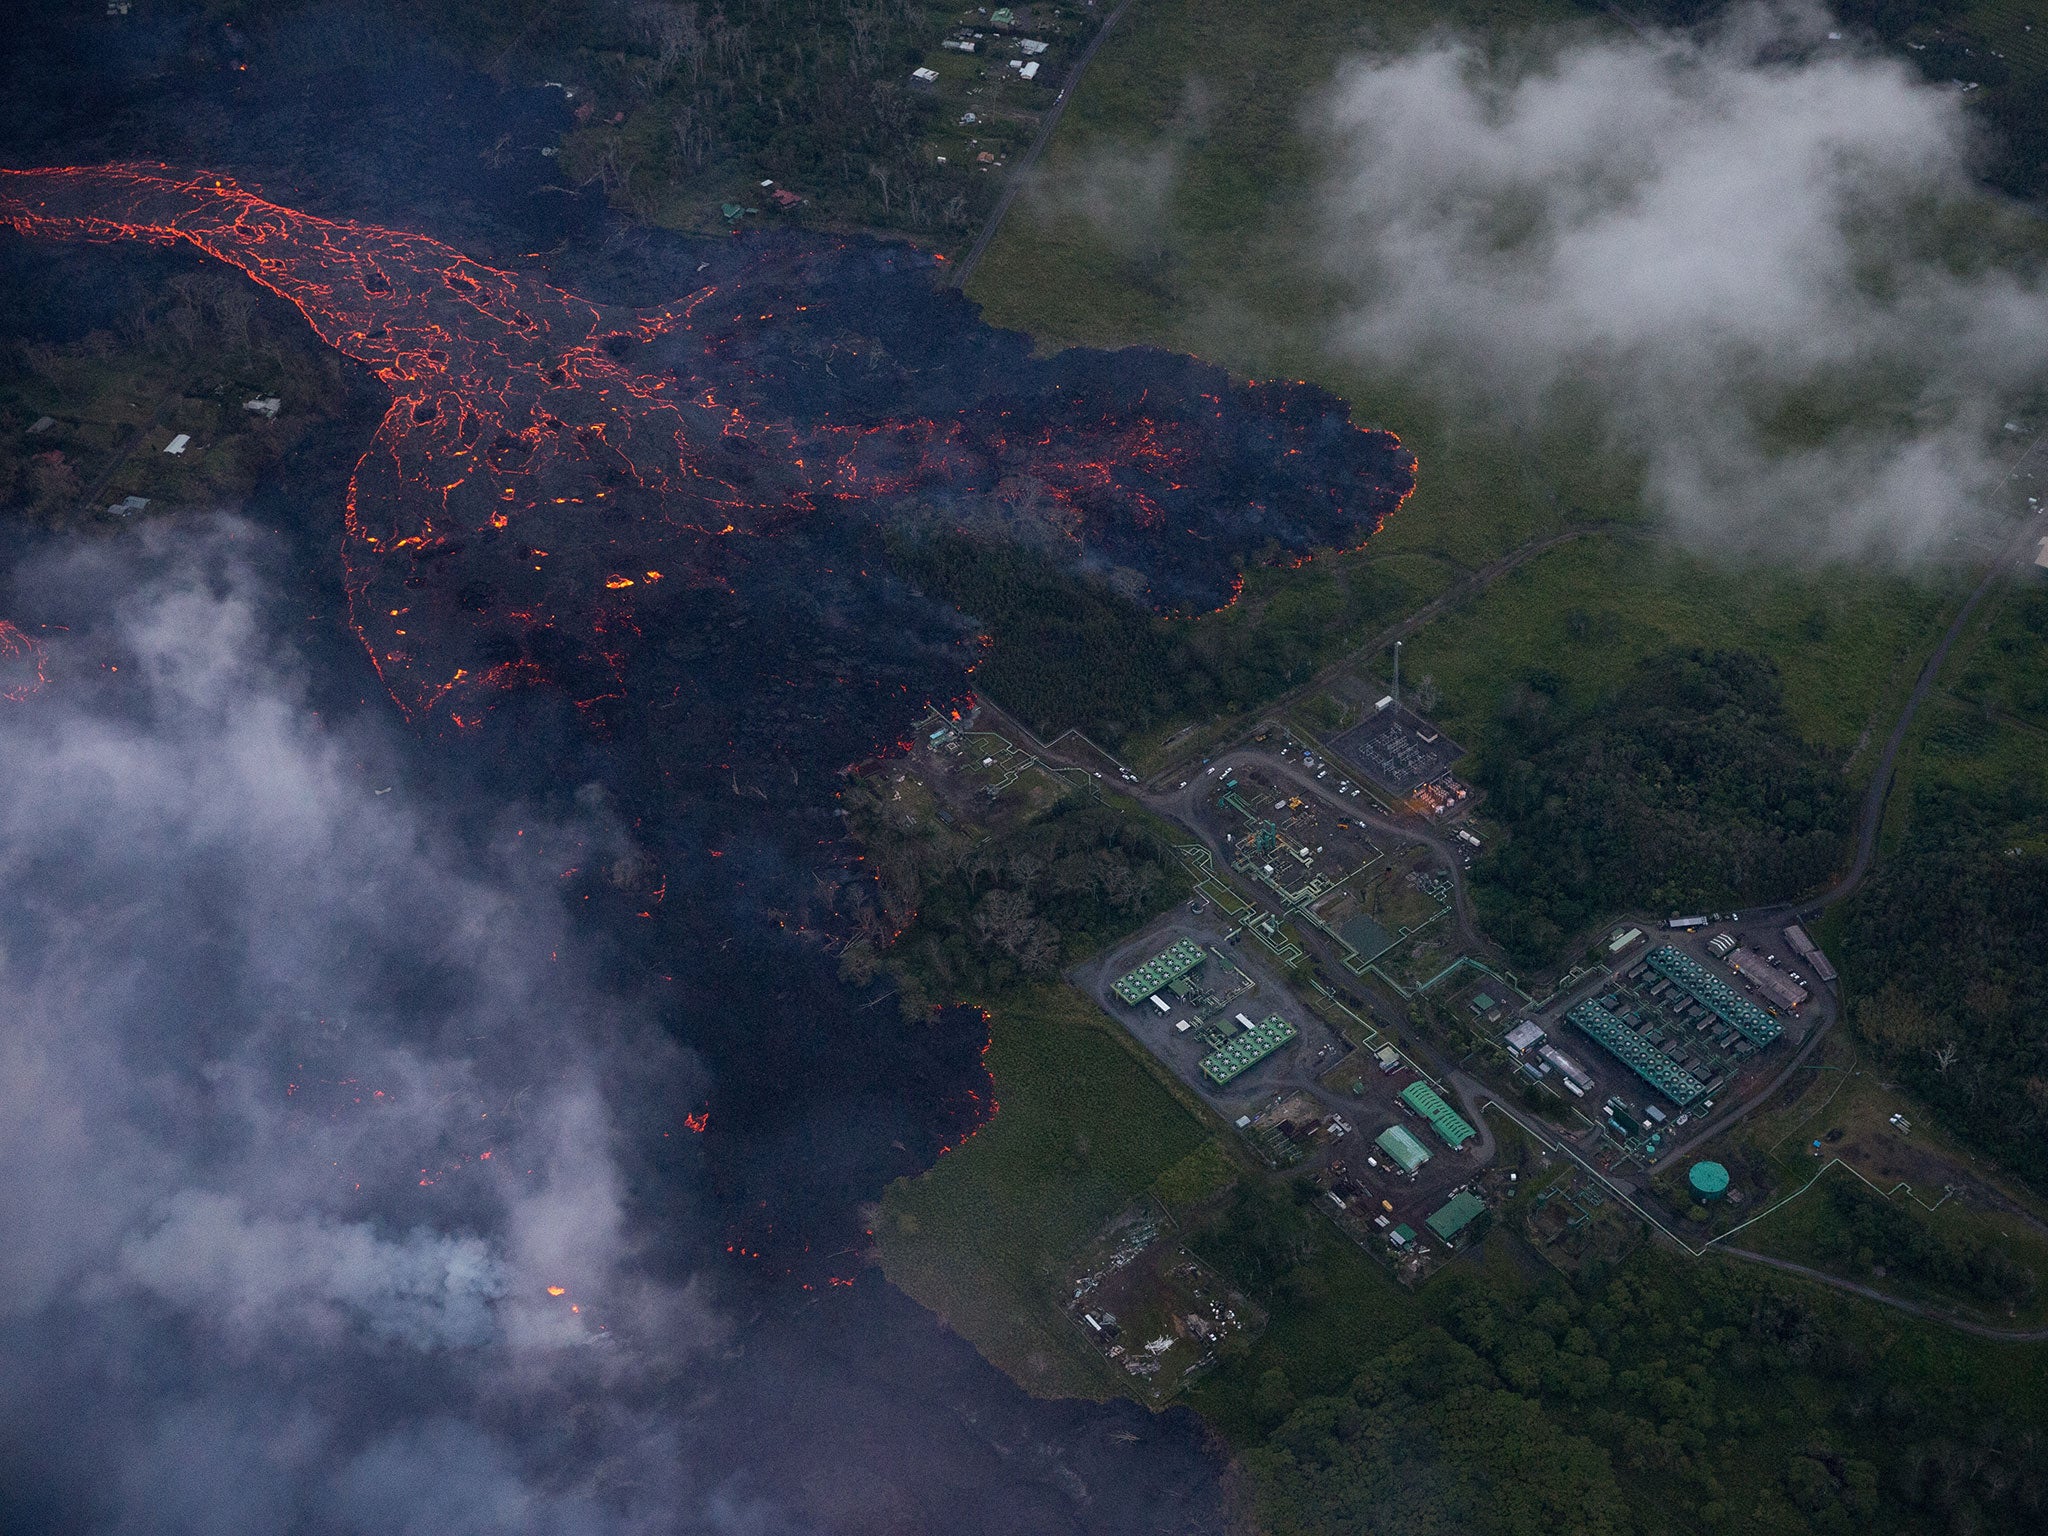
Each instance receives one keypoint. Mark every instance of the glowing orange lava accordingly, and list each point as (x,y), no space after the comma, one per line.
(514,413)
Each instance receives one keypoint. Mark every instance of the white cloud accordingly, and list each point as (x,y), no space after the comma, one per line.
(261,1026)
(1704,238)
(313,1276)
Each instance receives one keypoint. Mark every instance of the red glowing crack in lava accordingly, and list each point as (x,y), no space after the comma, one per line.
(510,407)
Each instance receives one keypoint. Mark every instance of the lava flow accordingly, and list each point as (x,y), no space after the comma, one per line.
(548,462)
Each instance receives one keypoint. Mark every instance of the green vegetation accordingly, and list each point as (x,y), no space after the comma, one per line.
(1428,1439)
(984,916)
(1845,642)
(177,354)
(1946,961)
(1690,789)
(1996,46)
(2008,673)
(1854,1231)
(1706,1398)
(1082,1131)
(1070,651)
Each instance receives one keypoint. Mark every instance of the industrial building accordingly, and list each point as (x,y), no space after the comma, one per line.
(1408,1153)
(1576,1077)
(1455,1215)
(1636,1053)
(1526,1036)
(1179,959)
(1766,978)
(1449,1124)
(1250,1048)
(1809,951)
(1714,995)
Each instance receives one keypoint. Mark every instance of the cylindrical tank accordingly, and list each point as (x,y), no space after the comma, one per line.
(1709,1180)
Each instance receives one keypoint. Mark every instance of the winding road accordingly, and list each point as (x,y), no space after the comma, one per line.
(2017,551)
(1014,182)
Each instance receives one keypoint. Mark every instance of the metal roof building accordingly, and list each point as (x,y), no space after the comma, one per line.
(1768,979)
(1808,951)
(1637,1054)
(1407,1153)
(1449,1124)
(1455,1215)
(1247,1050)
(1163,969)
(1714,995)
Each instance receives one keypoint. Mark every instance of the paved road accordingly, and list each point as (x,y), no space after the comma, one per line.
(1462,590)
(1871,1293)
(1014,182)
(2020,551)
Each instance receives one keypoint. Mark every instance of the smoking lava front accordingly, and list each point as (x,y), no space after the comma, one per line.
(554,474)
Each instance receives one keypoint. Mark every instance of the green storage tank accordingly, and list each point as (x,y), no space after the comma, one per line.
(1709,1180)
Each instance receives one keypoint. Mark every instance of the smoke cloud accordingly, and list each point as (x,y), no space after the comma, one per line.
(1728,247)
(317,1198)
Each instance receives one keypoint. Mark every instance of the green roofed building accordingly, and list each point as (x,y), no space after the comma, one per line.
(1456,1215)
(1449,1124)
(1181,958)
(1641,1057)
(1714,995)
(1247,1050)
(1408,1153)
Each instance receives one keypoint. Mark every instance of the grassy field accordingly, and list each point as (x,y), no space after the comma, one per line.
(1847,642)
(1223,266)
(1216,91)
(1083,1130)
(1796,1232)
(1983,732)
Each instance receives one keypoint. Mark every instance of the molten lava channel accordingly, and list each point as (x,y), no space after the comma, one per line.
(547,462)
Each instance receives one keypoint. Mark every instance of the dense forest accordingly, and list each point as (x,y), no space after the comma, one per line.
(815,94)
(1946,966)
(1071,650)
(1715,1399)
(980,916)
(1690,789)
(681,105)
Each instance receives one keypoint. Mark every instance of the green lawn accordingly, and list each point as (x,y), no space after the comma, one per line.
(982,1238)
